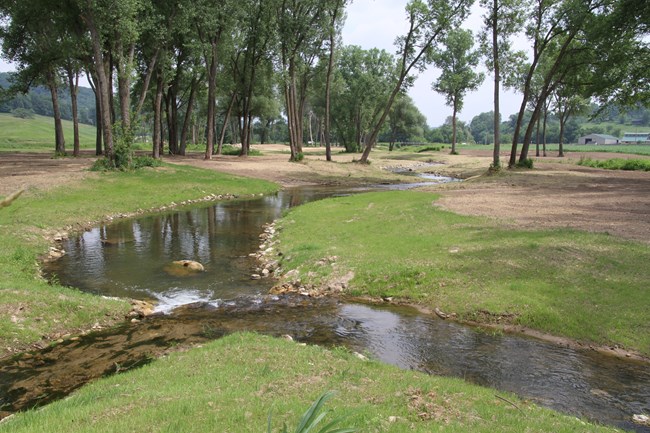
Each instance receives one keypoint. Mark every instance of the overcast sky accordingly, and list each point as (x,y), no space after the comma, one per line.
(376,24)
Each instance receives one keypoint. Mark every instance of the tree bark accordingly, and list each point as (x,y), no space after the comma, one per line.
(157,114)
(73,84)
(98,118)
(58,125)
(212,86)
(496,158)
(102,84)
(453,128)
(188,116)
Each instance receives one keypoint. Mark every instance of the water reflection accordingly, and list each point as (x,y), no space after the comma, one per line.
(127,259)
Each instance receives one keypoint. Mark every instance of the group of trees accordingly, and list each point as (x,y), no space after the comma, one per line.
(214,70)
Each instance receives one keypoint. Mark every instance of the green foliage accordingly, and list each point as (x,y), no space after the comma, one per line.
(526,163)
(617,164)
(235,151)
(313,417)
(22,113)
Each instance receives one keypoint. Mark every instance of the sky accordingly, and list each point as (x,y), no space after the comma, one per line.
(376,24)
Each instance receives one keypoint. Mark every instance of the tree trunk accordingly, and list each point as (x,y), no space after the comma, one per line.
(496,158)
(544,130)
(328,84)
(124,85)
(147,82)
(102,84)
(453,128)
(226,119)
(537,139)
(58,125)
(188,116)
(157,114)
(172,120)
(212,86)
(73,83)
(98,119)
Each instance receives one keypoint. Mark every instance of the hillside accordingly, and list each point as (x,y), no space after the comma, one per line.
(38,133)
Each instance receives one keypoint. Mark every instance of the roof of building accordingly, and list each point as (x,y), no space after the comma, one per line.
(608,137)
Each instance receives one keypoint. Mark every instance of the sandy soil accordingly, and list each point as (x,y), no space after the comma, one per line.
(557,193)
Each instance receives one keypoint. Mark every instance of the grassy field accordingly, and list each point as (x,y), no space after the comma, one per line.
(233,384)
(584,286)
(30,306)
(552,148)
(37,134)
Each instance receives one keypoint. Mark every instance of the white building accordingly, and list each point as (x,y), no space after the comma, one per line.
(598,139)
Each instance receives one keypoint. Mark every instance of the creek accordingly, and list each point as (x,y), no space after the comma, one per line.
(128,259)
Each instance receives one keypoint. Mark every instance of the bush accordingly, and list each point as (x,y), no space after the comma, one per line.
(526,163)
(235,151)
(617,164)
(22,113)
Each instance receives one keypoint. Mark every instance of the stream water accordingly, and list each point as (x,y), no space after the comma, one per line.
(128,258)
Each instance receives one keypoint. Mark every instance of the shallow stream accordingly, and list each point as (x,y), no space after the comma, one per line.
(128,259)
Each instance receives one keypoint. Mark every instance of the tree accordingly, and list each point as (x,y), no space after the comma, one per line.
(335,21)
(34,44)
(213,21)
(458,62)
(566,103)
(364,82)
(502,20)
(428,22)
(301,29)
(405,122)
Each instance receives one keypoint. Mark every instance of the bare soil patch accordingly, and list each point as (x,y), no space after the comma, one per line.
(556,193)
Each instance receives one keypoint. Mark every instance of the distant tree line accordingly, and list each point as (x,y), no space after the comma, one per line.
(38,101)
(202,71)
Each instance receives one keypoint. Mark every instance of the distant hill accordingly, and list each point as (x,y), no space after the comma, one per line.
(39,101)
(37,134)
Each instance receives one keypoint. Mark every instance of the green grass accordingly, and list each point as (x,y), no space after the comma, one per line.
(232,384)
(589,287)
(617,164)
(37,134)
(29,306)
(552,148)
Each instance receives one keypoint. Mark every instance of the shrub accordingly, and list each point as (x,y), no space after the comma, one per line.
(526,163)
(22,113)
(617,164)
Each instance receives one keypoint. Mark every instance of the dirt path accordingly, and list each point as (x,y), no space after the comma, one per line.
(557,193)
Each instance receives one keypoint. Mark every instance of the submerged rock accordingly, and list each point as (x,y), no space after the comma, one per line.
(183,268)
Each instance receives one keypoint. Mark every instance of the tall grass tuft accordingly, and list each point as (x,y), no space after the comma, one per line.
(313,416)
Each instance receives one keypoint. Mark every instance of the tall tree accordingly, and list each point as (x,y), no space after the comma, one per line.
(213,21)
(429,21)
(366,78)
(335,14)
(301,29)
(503,19)
(31,37)
(458,62)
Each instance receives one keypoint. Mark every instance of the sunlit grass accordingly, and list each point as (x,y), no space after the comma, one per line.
(232,384)
(586,286)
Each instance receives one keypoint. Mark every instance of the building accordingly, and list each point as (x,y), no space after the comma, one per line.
(636,138)
(598,139)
